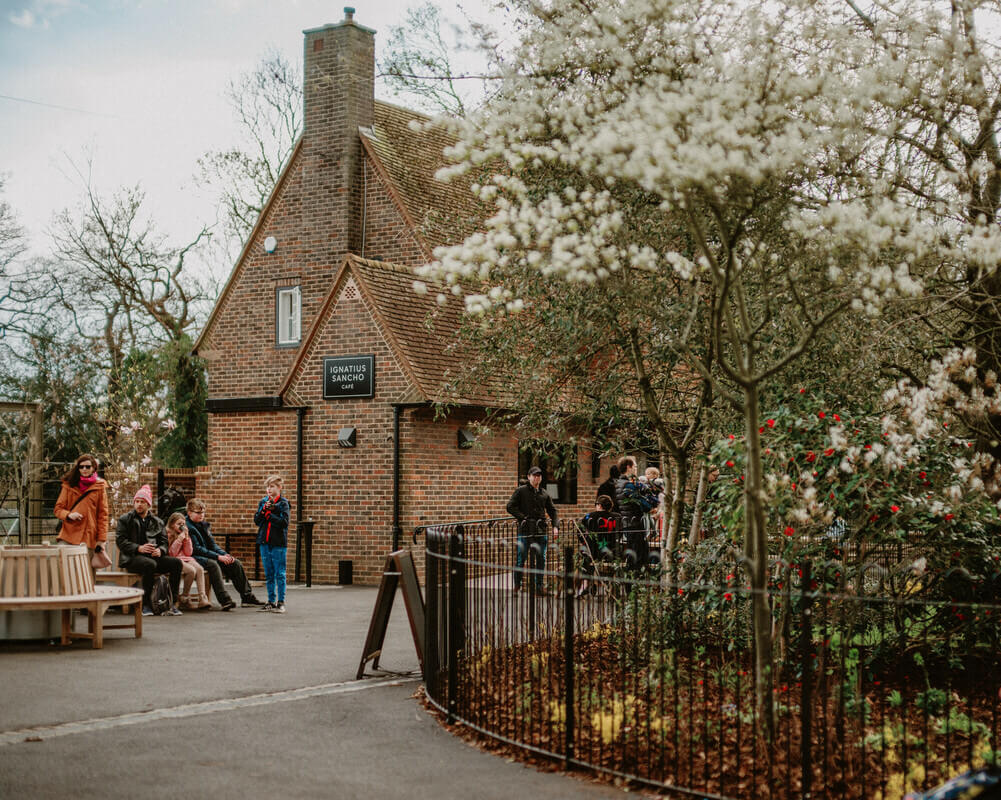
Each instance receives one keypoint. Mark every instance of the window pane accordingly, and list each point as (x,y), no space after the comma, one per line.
(288,315)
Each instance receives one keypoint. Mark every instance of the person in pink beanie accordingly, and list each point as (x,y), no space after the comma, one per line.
(142,549)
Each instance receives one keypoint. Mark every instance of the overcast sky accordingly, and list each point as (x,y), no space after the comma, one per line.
(137,86)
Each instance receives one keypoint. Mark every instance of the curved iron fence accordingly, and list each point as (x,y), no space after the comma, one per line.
(620,668)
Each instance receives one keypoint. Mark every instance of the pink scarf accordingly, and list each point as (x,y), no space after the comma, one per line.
(86,483)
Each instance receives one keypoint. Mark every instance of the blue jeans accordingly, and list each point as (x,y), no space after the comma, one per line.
(536,545)
(273,559)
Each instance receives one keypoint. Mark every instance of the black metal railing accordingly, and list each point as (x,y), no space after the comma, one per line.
(650,677)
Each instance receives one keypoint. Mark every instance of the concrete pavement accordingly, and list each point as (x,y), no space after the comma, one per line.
(243,705)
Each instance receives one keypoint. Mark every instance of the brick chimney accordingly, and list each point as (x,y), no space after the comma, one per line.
(338,97)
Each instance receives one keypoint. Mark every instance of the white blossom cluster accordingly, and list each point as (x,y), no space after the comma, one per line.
(704,105)
(954,391)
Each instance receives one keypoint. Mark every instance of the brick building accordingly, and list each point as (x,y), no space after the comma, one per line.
(321,367)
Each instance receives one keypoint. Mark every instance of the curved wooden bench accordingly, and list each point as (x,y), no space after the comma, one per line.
(44,577)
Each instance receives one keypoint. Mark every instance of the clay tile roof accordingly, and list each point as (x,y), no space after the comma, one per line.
(442,213)
(423,331)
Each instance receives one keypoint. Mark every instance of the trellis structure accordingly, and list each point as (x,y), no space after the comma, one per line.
(32,474)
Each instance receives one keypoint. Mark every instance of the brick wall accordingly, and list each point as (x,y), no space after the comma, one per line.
(315,215)
(332,200)
(244,448)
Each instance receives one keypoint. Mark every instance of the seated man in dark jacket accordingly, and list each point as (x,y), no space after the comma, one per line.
(142,549)
(216,561)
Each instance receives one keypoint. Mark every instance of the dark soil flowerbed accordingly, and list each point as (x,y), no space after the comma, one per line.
(687,722)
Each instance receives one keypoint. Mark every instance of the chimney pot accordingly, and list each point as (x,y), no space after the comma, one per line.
(349,14)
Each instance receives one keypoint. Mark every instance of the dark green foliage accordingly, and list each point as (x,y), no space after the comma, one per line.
(185,444)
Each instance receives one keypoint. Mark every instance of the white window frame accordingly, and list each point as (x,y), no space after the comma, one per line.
(288,316)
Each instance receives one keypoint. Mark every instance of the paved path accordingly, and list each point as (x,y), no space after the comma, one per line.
(241,705)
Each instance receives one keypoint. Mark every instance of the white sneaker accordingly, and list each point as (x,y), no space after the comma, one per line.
(279,608)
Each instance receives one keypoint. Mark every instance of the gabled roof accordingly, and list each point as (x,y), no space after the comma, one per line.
(420,332)
(408,158)
(231,281)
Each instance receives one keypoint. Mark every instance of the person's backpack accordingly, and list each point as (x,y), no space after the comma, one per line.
(160,599)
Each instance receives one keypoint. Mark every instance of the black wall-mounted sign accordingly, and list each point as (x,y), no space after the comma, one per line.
(350,376)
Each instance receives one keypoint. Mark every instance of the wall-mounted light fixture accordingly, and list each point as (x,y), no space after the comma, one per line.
(270,244)
(347,437)
(465,439)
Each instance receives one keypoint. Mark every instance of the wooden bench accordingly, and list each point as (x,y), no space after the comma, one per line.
(59,577)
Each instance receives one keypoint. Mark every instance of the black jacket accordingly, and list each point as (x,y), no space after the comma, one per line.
(528,503)
(203,546)
(272,522)
(132,533)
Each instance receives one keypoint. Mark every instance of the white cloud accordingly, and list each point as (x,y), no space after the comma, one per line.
(41,12)
(23,20)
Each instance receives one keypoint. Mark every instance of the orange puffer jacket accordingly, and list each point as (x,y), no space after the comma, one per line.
(93,527)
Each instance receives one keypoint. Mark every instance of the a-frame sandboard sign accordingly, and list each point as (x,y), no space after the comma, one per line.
(399,567)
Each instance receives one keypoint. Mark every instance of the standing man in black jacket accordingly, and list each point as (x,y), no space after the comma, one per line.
(529,505)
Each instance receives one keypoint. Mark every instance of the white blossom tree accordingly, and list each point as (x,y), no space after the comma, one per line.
(753,125)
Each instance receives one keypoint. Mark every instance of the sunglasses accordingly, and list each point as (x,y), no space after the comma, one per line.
(85,466)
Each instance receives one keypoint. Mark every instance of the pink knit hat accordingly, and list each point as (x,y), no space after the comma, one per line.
(144,493)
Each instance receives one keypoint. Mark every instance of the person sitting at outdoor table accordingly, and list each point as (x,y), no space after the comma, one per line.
(191,570)
(142,549)
(216,561)
(599,530)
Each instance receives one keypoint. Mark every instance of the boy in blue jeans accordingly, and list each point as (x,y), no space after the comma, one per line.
(272,538)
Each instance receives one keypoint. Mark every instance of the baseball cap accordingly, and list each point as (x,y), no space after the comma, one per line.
(534,471)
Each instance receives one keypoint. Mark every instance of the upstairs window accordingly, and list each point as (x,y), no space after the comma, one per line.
(288,313)
(558,463)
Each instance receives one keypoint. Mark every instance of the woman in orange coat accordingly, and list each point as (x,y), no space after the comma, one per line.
(83,505)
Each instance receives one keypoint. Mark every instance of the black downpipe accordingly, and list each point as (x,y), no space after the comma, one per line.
(300,414)
(397,530)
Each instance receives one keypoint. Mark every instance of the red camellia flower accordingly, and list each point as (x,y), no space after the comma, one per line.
(728,596)
(729,463)
(837,418)
(921,475)
(949,517)
(794,486)
(789,531)
(770,423)
(894,509)
(802,391)
(822,415)
(829,451)
(811,456)
(761,429)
